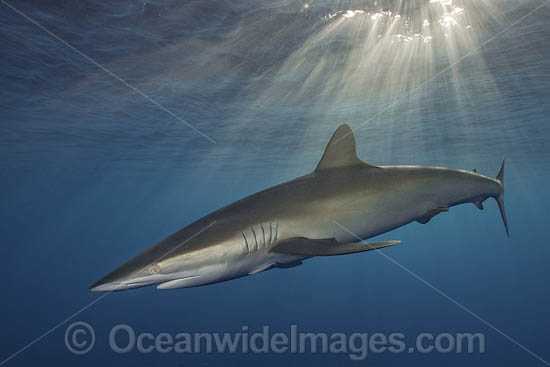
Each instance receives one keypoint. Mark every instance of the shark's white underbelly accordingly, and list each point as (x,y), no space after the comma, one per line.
(236,268)
(241,256)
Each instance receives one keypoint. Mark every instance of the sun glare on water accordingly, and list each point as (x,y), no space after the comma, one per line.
(380,64)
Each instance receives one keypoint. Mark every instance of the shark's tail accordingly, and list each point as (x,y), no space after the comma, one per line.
(500,198)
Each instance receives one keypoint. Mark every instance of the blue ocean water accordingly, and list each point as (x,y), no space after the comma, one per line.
(123,122)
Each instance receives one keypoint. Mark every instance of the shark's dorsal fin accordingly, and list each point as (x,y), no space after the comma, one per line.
(340,151)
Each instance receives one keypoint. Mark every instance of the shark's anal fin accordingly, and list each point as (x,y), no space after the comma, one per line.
(479,204)
(325,247)
(432,213)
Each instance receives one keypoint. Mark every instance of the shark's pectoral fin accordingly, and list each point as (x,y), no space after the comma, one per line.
(325,247)
(432,213)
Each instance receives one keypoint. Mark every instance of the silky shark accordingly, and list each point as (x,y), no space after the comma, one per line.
(323,213)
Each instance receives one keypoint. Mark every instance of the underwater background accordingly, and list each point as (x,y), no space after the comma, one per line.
(122,122)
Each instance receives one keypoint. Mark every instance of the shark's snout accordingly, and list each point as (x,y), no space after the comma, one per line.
(101,286)
(133,274)
(107,285)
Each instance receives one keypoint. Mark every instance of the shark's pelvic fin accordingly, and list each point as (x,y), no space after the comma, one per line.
(325,247)
(432,213)
(341,151)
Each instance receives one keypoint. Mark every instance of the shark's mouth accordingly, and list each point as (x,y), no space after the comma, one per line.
(180,282)
(134,285)
(118,286)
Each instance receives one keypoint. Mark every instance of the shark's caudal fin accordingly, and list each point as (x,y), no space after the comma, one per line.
(340,151)
(500,198)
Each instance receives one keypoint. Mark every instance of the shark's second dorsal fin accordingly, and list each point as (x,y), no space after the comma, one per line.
(340,151)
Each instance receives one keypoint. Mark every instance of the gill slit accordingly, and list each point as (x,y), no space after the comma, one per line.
(255,238)
(263,235)
(246,242)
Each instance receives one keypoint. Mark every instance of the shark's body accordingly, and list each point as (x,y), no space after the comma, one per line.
(323,213)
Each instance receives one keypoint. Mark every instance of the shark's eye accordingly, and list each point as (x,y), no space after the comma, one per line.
(154,269)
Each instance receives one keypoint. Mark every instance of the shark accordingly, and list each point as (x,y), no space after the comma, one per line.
(327,212)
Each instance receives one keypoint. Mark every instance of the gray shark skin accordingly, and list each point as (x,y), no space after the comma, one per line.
(318,214)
